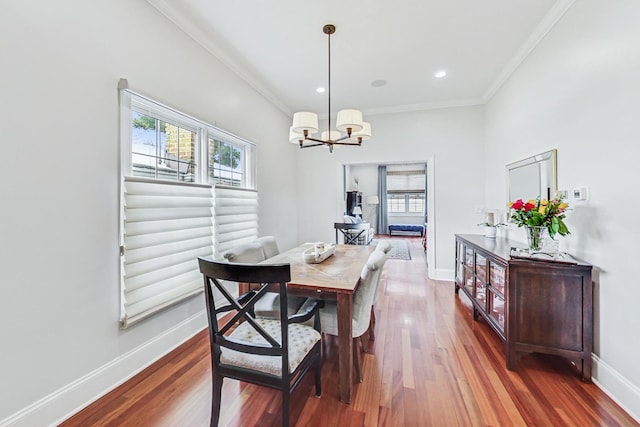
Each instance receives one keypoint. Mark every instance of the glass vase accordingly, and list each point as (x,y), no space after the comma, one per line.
(536,236)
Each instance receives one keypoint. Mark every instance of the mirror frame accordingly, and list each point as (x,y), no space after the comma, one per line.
(538,158)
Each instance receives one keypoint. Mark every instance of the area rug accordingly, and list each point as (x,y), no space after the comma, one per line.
(399,248)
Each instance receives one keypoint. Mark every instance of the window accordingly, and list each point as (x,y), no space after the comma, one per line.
(174,209)
(405,203)
(161,143)
(226,163)
(406,192)
(161,150)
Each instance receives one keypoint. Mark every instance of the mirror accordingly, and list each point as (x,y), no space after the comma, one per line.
(532,177)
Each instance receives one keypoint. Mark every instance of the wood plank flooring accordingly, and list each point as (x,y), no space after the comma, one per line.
(430,365)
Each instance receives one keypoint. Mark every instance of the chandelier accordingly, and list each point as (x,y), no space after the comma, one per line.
(348,121)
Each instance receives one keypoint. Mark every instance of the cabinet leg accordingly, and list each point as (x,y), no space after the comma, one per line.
(512,359)
(586,369)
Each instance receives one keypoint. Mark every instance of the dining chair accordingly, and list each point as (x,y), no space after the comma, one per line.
(254,252)
(384,247)
(269,246)
(274,353)
(362,302)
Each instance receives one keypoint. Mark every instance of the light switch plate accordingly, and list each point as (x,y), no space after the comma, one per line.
(580,193)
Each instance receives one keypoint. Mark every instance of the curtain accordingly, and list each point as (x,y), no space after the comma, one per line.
(383,222)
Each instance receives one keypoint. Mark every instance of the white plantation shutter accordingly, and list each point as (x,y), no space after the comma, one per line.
(166,227)
(235,217)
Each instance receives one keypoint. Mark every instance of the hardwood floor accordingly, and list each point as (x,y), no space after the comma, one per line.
(430,365)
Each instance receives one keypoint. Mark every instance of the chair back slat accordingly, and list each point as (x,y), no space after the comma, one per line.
(265,277)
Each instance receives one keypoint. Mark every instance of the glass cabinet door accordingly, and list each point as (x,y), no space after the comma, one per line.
(481,279)
(496,277)
(468,280)
(459,261)
(468,256)
(496,308)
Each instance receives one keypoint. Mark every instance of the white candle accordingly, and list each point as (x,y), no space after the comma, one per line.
(490,218)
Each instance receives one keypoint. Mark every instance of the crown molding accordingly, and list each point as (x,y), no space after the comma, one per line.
(548,22)
(201,38)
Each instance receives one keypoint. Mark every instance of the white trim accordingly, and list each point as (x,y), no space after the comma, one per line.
(622,391)
(443,274)
(431,215)
(548,22)
(172,14)
(51,410)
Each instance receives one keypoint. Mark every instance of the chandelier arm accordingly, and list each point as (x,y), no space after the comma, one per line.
(348,143)
(314,145)
(315,139)
(342,139)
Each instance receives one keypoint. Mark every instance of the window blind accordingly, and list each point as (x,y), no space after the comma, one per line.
(235,217)
(405,182)
(166,226)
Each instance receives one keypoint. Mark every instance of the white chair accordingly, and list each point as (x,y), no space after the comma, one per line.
(252,253)
(269,246)
(362,303)
(383,247)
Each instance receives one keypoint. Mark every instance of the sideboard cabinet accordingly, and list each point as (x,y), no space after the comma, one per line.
(533,305)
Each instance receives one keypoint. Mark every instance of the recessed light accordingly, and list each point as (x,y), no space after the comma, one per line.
(320,90)
(440,74)
(378,83)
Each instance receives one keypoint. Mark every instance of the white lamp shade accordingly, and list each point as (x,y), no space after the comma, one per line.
(295,137)
(373,200)
(330,135)
(357,210)
(365,133)
(349,119)
(305,121)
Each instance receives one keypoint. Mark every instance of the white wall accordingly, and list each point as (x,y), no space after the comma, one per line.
(452,137)
(61,62)
(579,92)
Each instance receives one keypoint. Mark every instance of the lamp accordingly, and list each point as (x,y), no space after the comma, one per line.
(357,211)
(349,121)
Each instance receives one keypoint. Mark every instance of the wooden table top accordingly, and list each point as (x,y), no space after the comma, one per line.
(339,273)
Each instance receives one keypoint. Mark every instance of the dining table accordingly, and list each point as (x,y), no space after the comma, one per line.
(335,278)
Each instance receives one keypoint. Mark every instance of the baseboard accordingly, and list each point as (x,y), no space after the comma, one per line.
(441,274)
(617,387)
(51,410)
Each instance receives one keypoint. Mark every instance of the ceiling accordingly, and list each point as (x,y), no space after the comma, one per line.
(279,48)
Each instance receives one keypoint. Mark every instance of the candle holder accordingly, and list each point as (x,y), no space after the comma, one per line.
(491,224)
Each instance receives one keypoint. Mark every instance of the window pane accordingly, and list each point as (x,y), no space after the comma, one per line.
(395,203)
(160,150)
(179,156)
(416,203)
(226,165)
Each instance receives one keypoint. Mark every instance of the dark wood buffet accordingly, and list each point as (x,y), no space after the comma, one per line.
(533,305)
